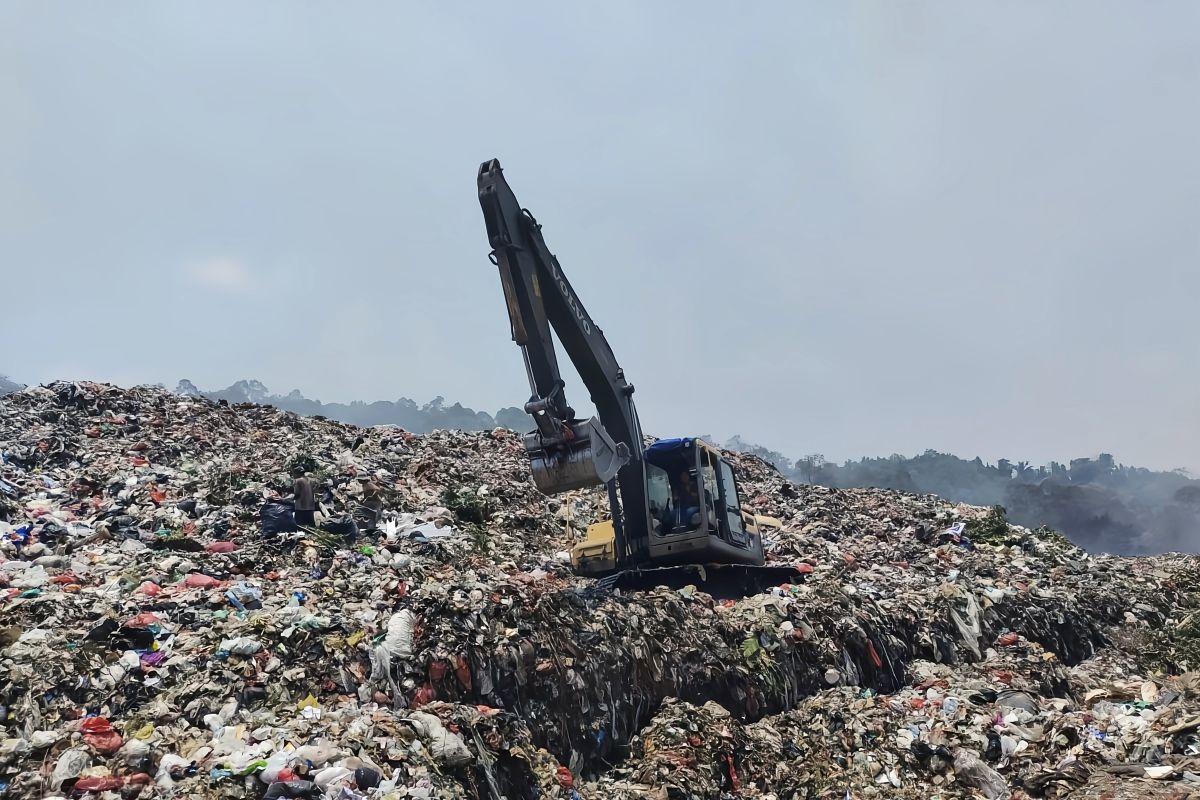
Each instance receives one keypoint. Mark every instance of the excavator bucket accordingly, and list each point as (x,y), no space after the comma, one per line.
(589,458)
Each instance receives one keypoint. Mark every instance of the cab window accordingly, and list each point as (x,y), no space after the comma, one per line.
(658,494)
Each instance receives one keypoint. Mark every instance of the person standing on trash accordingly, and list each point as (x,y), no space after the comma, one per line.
(306,501)
(372,501)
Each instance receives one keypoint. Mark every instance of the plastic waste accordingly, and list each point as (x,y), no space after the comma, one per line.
(167,765)
(447,747)
(499,620)
(275,764)
(134,750)
(318,754)
(99,734)
(399,639)
(70,765)
(1011,698)
(971,771)
(198,580)
(31,578)
(293,789)
(367,778)
(329,775)
(278,517)
(11,749)
(96,784)
(969,624)
(346,528)
(40,739)
(241,646)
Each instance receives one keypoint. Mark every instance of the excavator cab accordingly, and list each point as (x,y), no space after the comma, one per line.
(699,534)
(695,507)
(695,514)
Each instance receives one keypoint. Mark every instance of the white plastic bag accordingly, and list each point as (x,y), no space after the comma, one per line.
(446,746)
(399,638)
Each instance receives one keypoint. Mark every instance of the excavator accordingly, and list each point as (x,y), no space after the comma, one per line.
(676,511)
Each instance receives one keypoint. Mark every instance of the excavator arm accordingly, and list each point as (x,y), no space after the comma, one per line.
(565,452)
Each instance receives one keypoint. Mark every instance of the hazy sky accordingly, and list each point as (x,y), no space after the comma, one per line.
(868,228)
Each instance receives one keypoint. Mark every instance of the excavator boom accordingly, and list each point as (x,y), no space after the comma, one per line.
(565,452)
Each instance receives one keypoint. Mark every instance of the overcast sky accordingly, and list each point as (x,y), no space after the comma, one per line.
(867,228)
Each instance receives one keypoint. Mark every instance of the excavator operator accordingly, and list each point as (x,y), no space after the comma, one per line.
(687,500)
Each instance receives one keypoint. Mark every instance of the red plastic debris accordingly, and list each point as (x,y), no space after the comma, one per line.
(198,580)
(97,784)
(876,661)
(462,671)
(734,781)
(425,695)
(149,588)
(221,547)
(99,734)
(1008,639)
(565,779)
(143,620)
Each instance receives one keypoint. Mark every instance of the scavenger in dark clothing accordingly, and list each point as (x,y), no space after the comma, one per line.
(306,501)
(372,502)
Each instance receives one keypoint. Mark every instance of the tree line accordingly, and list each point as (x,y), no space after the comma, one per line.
(406,413)
(1100,504)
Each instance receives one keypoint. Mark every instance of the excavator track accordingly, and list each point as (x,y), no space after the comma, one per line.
(722,581)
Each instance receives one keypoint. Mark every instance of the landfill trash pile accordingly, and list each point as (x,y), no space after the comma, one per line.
(167,631)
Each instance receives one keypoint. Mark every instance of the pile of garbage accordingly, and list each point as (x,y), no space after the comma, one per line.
(168,630)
